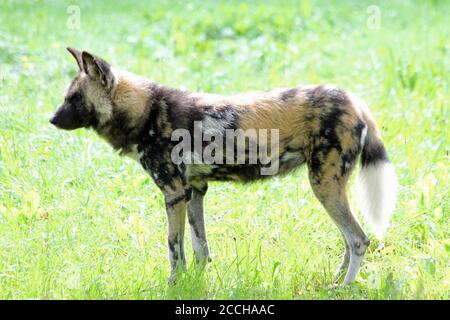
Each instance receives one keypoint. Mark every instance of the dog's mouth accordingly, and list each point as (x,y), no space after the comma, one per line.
(68,126)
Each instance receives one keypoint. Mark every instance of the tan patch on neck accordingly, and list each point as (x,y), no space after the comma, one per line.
(131,96)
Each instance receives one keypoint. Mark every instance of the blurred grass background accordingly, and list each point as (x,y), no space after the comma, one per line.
(77,221)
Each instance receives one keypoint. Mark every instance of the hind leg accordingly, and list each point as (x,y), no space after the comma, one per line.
(328,175)
(197,223)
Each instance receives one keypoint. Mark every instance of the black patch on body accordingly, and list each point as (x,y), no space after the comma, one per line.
(328,124)
(288,94)
(119,133)
(320,96)
(327,138)
(154,139)
(333,103)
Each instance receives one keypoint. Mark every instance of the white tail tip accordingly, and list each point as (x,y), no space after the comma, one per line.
(377,194)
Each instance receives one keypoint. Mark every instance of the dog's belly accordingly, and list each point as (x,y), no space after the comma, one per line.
(283,164)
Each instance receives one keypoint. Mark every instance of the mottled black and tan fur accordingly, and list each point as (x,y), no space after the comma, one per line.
(320,126)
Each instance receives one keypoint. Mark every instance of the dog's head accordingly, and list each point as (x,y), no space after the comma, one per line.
(88,99)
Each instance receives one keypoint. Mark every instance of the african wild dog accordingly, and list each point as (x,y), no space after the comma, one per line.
(322,126)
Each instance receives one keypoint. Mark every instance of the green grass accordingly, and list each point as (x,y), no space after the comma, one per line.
(77,221)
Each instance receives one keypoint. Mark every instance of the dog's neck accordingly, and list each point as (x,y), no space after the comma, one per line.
(131,102)
(134,99)
(131,96)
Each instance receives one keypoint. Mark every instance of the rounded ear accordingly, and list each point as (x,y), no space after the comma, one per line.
(97,68)
(77,55)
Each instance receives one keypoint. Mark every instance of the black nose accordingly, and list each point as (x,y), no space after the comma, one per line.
(52,120)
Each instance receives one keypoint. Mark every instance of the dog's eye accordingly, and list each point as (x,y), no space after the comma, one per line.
(76,97)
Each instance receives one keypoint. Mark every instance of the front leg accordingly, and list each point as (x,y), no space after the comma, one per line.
(176,216)
(172,183)
(197,223)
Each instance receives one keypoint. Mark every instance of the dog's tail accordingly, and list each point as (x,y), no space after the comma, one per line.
(377,181)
